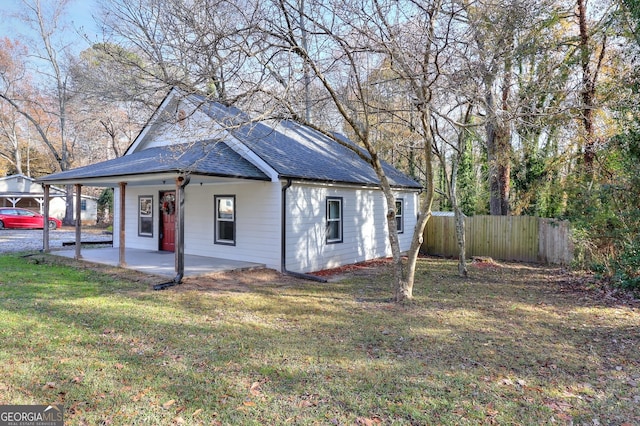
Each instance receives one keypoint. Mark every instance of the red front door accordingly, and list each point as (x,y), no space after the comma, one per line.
(168,221)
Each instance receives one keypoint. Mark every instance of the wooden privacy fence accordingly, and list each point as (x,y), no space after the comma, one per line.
(520,238)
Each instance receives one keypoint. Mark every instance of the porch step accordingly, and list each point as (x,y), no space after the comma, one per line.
(73,243)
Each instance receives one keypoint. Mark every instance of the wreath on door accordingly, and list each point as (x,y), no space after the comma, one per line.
(168,205)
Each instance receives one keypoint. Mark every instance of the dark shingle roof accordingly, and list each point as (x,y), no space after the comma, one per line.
(206,157)
(297,151)
(292,150)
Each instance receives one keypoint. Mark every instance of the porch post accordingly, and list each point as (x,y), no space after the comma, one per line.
(78,211)
(45,228)
(179,249)
(121,259)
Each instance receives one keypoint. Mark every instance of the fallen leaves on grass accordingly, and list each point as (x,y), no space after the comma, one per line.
(369,421)
(559,408)
(505,346)
(137,397)
(484,262)
(168,404)
(255,389)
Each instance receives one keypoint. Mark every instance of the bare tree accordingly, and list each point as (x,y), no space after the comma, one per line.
(455,138)
(49,59)
(492,29)
(592,51)
(108,111)
(345,43)
(10,139)
(13,80)
(196,45)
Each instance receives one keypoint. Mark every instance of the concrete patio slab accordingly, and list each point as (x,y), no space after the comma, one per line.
(158,262)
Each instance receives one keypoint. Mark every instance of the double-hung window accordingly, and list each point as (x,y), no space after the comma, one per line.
(145,215)
(225,219)
(334,220)
(400,215)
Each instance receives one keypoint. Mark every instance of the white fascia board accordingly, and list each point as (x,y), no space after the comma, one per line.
(208,128)
(152,122)
(348,185)
(246,153)
(217,131)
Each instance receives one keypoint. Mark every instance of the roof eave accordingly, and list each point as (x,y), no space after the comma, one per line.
(152,178)
(349,183)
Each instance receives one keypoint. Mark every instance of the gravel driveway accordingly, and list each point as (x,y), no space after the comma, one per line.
(13,240)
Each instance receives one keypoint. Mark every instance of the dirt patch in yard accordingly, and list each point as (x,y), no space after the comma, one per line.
(582,284)
(246,280)
(560,280)
(243,281)
(361,268)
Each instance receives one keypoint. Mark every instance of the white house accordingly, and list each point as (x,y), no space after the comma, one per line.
(24,192)
(205,179)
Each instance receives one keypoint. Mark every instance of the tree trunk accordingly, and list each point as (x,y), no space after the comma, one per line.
(499,158)
(68,213)
(401,290)
(425,209)
(504,170)
(452,185)
(588,89)
(462,242)
(17,155)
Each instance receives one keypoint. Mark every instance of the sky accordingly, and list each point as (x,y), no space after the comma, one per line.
(78,18)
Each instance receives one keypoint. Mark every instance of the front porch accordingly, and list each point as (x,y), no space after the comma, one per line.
(160,263)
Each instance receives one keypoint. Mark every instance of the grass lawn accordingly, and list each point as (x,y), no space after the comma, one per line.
(513,344)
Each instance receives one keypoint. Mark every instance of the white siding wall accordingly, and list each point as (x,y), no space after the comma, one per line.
(257,221)
(133,240)
(58,208)
(365,233)
(116,217)
(411,210)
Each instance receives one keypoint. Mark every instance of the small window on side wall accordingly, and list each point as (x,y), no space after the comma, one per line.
(225,219)
(145,216)
(400,215)
(334,220)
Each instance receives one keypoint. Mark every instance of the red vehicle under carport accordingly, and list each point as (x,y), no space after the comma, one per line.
(13,217)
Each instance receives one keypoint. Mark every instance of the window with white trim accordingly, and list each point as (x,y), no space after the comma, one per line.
(334,220)
(400,215)
(225,219)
